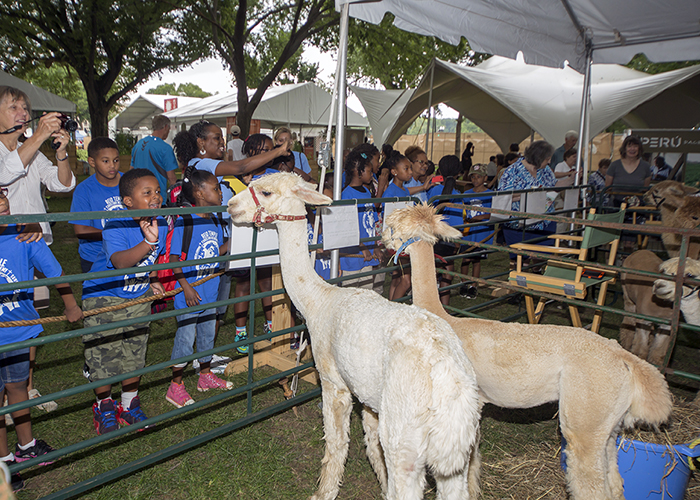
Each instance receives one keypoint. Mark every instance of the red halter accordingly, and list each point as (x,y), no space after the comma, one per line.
(260,213)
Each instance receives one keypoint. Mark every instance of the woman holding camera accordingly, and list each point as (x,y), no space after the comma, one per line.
(22,167)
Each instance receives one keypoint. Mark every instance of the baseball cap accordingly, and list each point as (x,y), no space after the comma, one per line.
(235,130)
(477,169)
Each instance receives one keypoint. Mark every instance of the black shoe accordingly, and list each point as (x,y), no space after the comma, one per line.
(471,292)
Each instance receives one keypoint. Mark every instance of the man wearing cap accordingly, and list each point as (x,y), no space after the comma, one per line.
(235,145)
(156,155)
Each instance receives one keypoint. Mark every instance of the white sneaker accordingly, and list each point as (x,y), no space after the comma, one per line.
(218,364)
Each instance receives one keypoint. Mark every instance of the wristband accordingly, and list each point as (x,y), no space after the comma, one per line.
(151,243)
(62,159)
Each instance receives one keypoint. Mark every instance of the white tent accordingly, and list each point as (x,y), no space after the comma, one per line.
(293,104)
(139,112)
(549,32)
(508,98)
(42,100)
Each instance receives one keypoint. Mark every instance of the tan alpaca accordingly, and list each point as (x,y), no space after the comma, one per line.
(404,364)
(600,386)
(679,207)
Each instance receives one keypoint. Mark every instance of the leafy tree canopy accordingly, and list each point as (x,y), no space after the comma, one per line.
(184,89)
(112,45)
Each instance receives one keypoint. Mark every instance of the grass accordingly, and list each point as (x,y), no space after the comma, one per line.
(280,456)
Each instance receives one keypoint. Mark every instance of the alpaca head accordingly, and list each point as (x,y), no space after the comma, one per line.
(668,194)
(421,222)
(277,194)
(665,289)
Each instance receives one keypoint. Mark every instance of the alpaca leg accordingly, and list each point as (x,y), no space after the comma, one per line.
(337,405)
(627,331)
(453,487)
(660,344)
(474,475)
(615,488)
(586,468)
(642,334)
(370,424)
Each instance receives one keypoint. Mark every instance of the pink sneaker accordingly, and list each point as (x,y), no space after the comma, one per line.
(178,396)
(210,381)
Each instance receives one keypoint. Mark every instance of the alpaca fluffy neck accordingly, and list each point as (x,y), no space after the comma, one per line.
(424,288)
(302,283)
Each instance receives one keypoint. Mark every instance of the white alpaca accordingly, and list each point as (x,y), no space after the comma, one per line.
(600,386)
(405,365)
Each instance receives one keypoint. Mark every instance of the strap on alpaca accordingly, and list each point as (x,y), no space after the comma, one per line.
(260,218)
(403,246)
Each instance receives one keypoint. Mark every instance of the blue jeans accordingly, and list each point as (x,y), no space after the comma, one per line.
(14,367)
(200,325)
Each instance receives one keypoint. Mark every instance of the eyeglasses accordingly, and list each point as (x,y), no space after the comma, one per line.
(421,162)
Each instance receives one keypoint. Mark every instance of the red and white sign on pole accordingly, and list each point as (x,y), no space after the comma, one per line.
(169,104)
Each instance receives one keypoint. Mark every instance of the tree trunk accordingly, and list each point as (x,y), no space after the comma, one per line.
(458,136)
(99,117)
(243,118)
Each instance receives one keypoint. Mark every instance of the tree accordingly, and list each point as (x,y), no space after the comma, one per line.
(112,45)
(260,42)
(184,89)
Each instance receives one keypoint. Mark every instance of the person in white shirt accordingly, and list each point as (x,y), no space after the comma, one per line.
(23,169)
(234,147)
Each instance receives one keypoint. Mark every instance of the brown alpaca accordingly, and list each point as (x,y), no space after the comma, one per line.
(600,386)
(680,207)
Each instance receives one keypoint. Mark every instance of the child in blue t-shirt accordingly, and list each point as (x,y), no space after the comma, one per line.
(128,242)
(201,189)
(449,168)
(98,192)
(400,171)
(17,264)
(358,172)
(477,234)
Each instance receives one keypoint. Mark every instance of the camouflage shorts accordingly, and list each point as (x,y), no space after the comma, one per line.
(121,350)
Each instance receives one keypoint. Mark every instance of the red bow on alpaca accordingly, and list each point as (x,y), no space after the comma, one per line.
(260,218)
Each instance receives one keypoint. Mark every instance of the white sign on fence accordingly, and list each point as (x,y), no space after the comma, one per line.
(341,227)
(242,242)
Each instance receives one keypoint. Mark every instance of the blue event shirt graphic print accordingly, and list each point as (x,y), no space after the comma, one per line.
(140,282)
(369,221)
(9,301)
(111,204)
(207,248)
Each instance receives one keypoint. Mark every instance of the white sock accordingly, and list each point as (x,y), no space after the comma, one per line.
(99,401)
(27,446)
(8,458)
(241,330)
(127,397)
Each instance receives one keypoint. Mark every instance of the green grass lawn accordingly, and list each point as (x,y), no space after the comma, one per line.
(280,456)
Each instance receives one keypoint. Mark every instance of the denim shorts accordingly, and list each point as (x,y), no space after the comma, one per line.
(190,326)
(14,367)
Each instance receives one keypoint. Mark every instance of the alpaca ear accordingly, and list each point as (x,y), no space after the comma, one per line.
(310,196)
(444,231)
(669,266)
(690,190)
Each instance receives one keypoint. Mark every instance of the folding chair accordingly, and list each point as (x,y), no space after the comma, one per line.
(571,280)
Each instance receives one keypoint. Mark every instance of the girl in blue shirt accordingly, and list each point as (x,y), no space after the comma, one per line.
(358,172)
(200,189)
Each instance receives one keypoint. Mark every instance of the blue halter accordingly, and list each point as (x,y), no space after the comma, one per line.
(403,246)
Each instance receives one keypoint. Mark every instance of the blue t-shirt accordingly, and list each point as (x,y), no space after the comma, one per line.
(17,264)
(151,151)
(392,190)
(422,196)
(207,237)
(321,266)
(478,233)
(91,196)
(209,164)
(368,229)
(118,235)
(453,216)
(301,162)
(267,171)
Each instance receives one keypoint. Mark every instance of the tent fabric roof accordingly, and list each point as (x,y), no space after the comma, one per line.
(298,104)
(548,32)
(42,100)
(139,112)
(507,98)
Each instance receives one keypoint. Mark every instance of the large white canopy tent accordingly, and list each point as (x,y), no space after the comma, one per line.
(42,100)
(507,98)
(294,104)
(141,110)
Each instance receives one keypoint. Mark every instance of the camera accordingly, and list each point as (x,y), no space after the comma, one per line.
(68,124)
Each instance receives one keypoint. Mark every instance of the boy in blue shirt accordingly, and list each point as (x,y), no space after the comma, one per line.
(100,191)
(17,264)
(128,242)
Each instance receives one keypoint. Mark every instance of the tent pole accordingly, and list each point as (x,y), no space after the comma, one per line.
(585,104)
(340,116)
(430,105)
